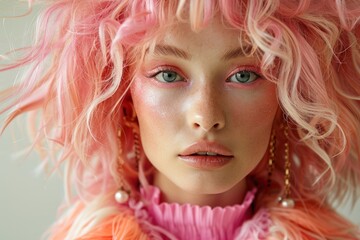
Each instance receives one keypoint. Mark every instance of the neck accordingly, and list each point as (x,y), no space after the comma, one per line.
(172,193)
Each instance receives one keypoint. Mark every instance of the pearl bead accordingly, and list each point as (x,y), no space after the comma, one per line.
(121,196)
(288,203)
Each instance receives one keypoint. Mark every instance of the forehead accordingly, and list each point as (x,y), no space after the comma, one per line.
(215,28)
(215,35)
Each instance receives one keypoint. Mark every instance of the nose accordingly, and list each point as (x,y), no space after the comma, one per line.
(206,109)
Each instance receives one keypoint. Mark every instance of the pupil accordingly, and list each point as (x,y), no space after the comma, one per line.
(243,76)
(169,76)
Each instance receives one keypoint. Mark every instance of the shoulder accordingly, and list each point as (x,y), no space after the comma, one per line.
(83,222)
(310,221)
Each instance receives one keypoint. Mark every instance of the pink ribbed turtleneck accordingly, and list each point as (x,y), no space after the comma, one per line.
(194,222)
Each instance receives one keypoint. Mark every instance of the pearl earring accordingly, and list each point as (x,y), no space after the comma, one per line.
(285,200)
(121,196)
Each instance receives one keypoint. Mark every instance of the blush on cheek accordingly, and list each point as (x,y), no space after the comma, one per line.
(263,110)
(255,116)
(151,102)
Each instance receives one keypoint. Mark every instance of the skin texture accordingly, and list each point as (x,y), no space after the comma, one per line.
(204,103)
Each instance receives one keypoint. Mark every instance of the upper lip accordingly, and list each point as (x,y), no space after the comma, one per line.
(205,146)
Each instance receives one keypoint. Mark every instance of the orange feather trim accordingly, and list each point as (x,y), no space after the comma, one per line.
(122,226)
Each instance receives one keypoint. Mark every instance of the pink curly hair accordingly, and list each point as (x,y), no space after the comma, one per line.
(82,64)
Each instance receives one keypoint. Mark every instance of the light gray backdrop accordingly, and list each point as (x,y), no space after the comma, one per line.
(28,201)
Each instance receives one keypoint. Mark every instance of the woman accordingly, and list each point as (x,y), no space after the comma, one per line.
(197,119)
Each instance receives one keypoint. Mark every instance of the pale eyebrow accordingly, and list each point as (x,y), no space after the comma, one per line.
(237,52)
(171,50)
(177,52)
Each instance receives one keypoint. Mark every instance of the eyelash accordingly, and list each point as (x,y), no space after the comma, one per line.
(162,70)
(252,70)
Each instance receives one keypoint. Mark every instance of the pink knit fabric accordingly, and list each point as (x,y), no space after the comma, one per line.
(195,222)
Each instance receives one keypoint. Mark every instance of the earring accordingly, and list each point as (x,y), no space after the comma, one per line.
(121,195)
(136,145)
(130,122)
(271,158)
(285,200)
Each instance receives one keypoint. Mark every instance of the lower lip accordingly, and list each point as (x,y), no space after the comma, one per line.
(206,162)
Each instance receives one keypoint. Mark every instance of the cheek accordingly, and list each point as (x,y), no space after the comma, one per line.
(253,121)
(158,120)
(256,111)
(149,102)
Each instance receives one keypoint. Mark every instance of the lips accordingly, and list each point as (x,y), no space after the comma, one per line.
(206,155)
(210,148)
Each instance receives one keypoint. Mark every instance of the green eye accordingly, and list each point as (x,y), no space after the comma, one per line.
(244,76)
(168,76)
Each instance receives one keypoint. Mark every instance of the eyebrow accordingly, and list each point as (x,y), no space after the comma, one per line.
(177,52)
(237,52)
(171,50)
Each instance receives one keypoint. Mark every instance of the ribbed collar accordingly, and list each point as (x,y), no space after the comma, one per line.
(187,221)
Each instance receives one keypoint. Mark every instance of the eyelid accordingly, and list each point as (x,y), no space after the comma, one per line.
(152,73)
(256,70)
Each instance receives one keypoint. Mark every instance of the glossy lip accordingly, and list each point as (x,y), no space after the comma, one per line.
(191,158)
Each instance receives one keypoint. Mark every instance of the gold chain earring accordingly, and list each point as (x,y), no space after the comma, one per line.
(285,199)
(271,158)
(122,195)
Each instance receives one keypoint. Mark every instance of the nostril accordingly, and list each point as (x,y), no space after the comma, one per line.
(216,126)
(206,123)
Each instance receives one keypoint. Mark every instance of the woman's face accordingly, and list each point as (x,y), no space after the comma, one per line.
(204,111)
